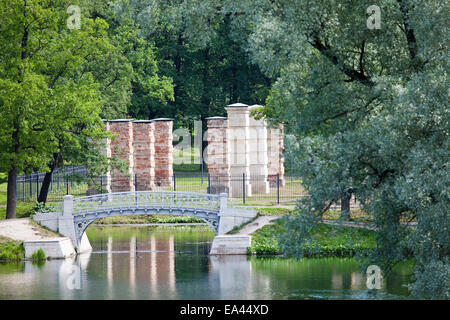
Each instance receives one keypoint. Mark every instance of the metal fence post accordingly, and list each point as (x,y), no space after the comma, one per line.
(243,188)
(174,182)
(135,183)
(278,188)
(31,186)
(209,183)
(67,184)
(37,186)
(101,184)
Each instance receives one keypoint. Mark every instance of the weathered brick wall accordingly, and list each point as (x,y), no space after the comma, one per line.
(218,154)
(163,133)
(144,154)
(122,146)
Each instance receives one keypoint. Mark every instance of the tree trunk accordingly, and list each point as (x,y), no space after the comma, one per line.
(11,194)
(43,193)
(345,206)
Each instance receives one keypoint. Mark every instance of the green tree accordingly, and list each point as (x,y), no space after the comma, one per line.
(368,110)
(44,96)
(126,75)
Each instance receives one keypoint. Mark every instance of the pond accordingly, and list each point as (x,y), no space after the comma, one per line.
(166,262)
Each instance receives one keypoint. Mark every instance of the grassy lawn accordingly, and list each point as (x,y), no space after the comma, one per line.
(326,240)
(23,208)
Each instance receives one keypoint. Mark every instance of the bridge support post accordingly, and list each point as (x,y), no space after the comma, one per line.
(231,217)
(66,226)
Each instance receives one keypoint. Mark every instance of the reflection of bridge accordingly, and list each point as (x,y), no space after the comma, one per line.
(79,213)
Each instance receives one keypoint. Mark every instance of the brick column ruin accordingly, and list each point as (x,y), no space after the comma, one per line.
(163,151)
(218,154)
(122,146)
(258,154)
(144,154)
(238,126)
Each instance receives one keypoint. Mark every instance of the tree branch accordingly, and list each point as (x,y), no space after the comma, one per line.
(327,52)
(410,36)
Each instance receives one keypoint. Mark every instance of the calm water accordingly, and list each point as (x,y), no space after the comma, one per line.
(173,263)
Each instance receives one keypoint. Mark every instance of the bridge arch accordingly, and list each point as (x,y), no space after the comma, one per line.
(86,210)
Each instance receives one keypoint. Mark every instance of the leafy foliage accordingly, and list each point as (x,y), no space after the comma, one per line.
(38,255)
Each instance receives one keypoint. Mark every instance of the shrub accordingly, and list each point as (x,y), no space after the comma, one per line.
(41,207)
(38,255)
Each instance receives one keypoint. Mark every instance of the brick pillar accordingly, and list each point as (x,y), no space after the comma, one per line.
(122,146)
(275,164)
(103,183)
(238,125)
(163,134)
(144,154)
(218,153)
(258,154)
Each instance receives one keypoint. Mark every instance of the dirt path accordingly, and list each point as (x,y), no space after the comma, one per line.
(260,222)
(24,230)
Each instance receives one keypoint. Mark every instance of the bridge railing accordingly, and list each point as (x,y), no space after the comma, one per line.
(146,199)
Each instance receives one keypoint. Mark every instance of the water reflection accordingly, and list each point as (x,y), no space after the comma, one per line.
(172,263)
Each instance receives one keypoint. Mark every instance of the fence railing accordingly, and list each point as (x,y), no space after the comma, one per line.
(63,181)
(145,198)
(258,190)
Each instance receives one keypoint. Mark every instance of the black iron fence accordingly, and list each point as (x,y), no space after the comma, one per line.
(63,181)
(257,190)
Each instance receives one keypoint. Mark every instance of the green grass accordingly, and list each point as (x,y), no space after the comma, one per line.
(11,250)
(273,211)
(326,241)
(145,219)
